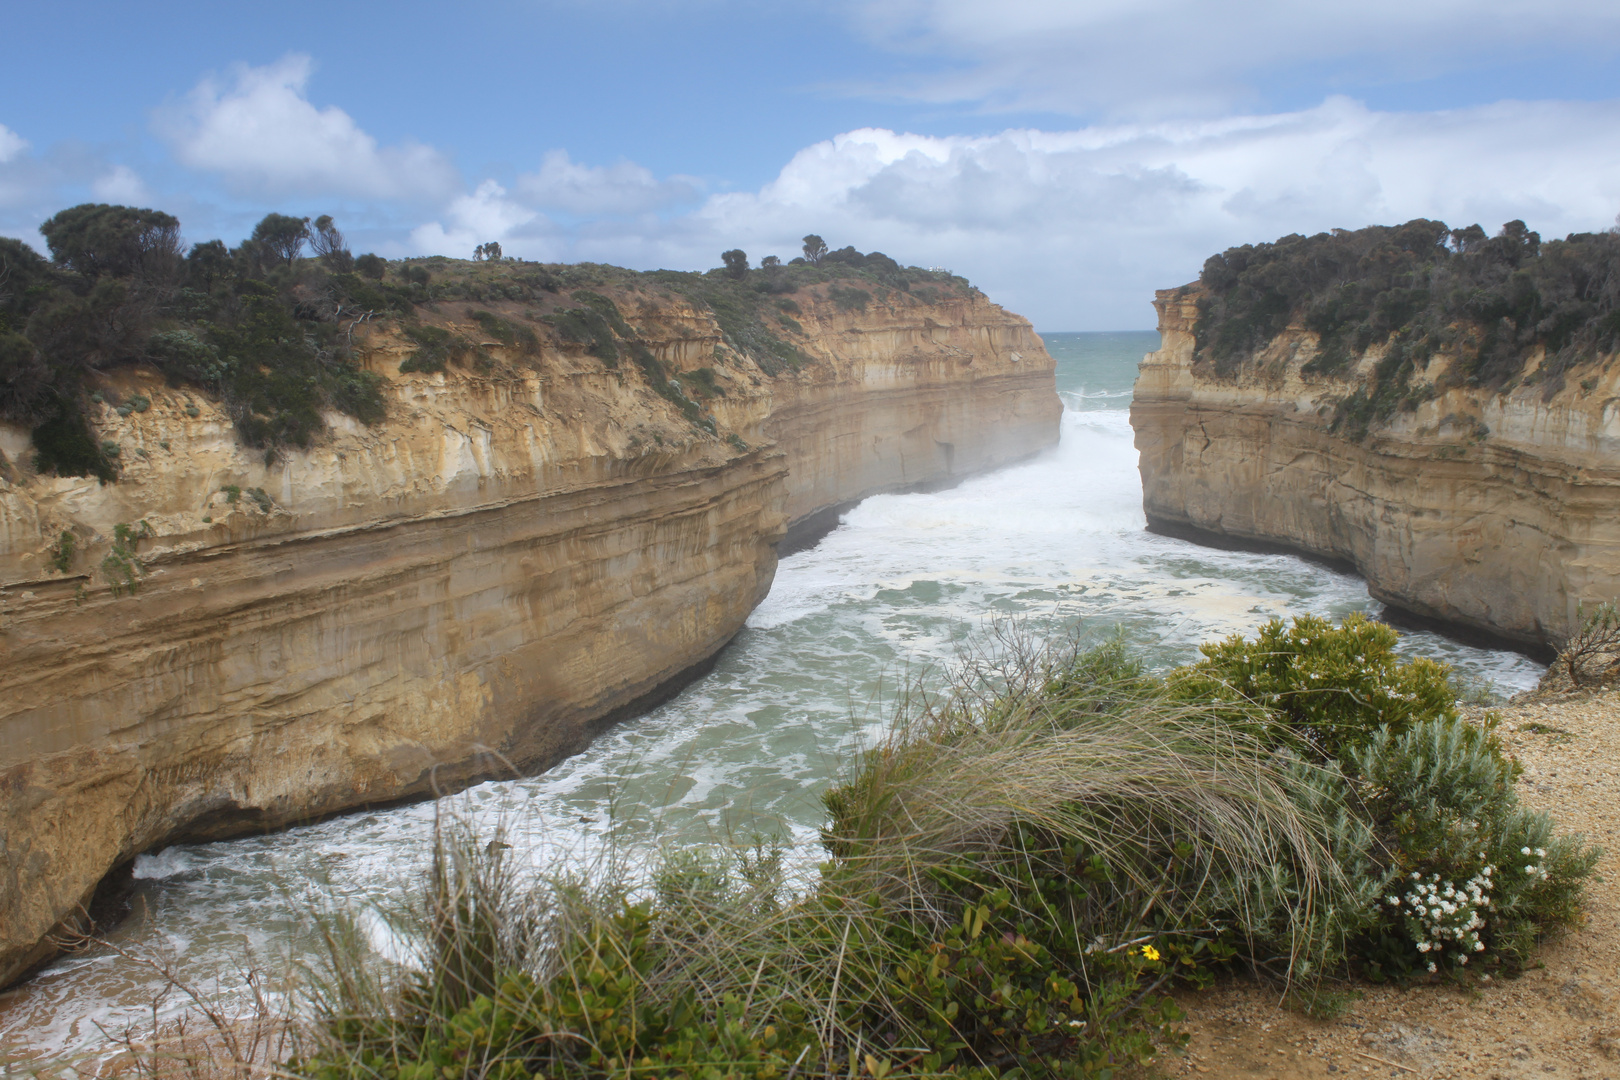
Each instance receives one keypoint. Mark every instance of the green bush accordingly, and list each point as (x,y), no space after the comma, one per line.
(122,567)
(62,552)
(65,446)
(1474,875)
(1449,867)
(435,347)
(848,299)
(1327,688)
(586,326)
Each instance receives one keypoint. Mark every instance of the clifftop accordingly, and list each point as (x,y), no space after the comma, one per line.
(1387,318)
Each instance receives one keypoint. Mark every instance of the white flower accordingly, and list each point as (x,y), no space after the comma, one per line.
(1529,869)
(1431,965)
(1541,853)
(1462,959)
(1479,946)
(1524,851)
(1424,946)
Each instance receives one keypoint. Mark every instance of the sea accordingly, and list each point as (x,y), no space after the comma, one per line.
(1053,546)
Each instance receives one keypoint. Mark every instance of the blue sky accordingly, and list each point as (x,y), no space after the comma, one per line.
(1069,157)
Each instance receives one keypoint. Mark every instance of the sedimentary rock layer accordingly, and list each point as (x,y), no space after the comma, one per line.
(1486,510)
(515,557)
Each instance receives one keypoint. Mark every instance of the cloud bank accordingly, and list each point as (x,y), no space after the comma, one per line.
(1077,228)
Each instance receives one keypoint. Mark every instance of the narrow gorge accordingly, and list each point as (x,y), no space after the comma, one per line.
(541,536)
(1438,409)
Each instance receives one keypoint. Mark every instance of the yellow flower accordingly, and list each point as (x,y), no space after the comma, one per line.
(1149,952)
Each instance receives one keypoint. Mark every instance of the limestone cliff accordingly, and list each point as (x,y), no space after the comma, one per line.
(526,548)
(1485,507)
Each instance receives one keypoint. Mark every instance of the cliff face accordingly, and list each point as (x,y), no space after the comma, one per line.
(515,557)
(1486,509)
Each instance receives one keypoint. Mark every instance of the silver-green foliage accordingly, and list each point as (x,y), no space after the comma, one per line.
(1441,795)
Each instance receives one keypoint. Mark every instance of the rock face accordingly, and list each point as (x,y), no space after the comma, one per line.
(514,559)
(1485,510)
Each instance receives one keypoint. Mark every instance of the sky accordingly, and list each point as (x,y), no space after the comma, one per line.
(1067,156)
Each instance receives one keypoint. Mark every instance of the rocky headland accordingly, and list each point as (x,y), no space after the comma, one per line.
(1437,409)
(573,499)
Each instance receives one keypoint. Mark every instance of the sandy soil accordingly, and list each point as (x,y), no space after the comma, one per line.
(1561,1019)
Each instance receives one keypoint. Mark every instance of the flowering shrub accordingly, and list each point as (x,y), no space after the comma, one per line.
(1441,799)
(1442,919)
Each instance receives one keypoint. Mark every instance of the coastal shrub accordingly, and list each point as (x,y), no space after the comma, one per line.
(435,347)
(586,326)
(64,445)
(849,299)
(1327,688)
(1595,644)
(1446,866)
(122,567)
(61,553)
(1474,876)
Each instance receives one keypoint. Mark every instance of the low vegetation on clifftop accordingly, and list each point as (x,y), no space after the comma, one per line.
(269,330)
(1014,879)
(1511,309)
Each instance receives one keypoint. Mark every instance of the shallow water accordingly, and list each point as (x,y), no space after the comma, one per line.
(898,586)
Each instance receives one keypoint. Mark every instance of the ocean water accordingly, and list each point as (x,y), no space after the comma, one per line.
(1057,542)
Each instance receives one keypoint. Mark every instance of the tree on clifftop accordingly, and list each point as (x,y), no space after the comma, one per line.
(814,248)
(281,235)
(97,240)
(736,261)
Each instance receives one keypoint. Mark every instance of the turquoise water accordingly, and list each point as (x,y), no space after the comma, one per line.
(1057,541)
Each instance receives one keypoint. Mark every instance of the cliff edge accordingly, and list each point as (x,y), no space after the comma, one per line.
(572,498)
(1438,409)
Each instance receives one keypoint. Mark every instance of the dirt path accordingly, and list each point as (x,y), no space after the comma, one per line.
(1559,1020)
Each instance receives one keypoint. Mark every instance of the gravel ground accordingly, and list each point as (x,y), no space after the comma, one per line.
(1561,1019)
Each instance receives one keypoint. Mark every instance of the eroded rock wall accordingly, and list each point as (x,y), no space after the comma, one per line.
(1487,510)
(514,558)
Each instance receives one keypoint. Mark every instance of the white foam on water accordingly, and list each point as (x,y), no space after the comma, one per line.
(904,580)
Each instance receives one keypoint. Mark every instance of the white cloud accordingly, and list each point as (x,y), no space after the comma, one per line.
(487,214)
(1170,57)
(264,136)
(120,184)
(1077,228)
(11,144)
(623,188)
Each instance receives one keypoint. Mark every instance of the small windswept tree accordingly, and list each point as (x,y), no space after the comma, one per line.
(814,248)
(770,262)
(281,236)
(1594,648)
(371,266)
(98,240)
(490,251)
(329,245)
(736,261)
